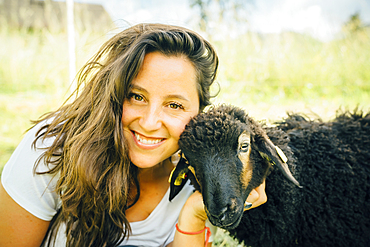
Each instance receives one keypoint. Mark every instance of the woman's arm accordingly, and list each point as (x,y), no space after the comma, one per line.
(193,217)
(257,196)
(17,226)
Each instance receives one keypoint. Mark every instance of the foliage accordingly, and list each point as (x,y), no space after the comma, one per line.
(353,25)
(34,78)
(211,12)
(295,71)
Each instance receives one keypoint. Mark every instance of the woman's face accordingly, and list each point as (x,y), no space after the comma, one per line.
(163,99)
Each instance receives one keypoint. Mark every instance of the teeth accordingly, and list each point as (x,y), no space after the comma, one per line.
(145,141)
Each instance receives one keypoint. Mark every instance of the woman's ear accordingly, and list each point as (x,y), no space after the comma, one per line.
(178,178)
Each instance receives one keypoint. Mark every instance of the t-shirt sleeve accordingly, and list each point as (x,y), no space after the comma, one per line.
(35,193)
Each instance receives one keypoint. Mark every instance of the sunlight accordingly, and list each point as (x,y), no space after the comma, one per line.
(293,17)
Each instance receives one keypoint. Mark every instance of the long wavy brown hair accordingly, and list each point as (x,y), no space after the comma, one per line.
(89,154)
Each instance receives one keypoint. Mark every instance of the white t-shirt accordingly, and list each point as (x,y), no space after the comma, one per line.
(35,193)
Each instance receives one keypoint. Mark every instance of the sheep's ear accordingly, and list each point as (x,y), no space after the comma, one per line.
(275,156)
(178,178)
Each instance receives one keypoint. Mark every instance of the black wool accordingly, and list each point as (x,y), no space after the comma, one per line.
(330,160)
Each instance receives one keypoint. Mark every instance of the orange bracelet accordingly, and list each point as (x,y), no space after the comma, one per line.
(208,233)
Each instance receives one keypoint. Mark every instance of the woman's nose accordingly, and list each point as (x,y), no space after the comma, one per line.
(151,118)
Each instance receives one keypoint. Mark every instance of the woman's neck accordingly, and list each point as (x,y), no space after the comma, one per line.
(153,186)
(155,173)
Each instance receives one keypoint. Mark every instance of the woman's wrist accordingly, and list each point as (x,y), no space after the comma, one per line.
(192,220)
(205,230)
(192,217)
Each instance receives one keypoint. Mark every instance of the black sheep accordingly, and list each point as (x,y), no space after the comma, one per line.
(231,154)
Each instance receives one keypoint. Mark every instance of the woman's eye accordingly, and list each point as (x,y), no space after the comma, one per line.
(175,106)
(137,97)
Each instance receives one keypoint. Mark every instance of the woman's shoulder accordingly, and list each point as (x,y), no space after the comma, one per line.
(30,190)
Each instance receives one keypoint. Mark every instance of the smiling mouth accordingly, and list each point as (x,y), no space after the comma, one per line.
(145,140)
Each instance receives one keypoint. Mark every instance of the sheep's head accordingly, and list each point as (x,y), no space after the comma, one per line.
(227,155)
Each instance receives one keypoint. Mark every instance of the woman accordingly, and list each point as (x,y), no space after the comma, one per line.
(97,173)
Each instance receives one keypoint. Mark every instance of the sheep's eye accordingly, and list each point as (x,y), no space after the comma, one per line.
(244,140)
(244,147)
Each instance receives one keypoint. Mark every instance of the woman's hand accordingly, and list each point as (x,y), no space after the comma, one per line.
(196,205)
(193,216)
(192,219)
(257,196)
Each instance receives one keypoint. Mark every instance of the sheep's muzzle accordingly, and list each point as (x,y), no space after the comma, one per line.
(228,217)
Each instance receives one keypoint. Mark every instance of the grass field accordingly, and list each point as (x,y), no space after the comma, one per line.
(34,79)
(265,74)
(269,75)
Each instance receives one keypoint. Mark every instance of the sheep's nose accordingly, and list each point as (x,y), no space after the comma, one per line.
(222,215)
(228,211)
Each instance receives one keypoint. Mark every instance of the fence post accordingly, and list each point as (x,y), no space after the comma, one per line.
(71,44)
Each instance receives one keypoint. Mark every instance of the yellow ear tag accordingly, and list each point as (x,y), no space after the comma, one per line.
(281,154)
(169,180)
(179,179)
(191,169)
(266,157)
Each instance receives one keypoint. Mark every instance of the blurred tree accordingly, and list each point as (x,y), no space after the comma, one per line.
(213,12)
(201,4)
(353,25)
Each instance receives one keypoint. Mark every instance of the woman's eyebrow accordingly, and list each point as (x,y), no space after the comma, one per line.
(170,96)
(139,88)
(177,96)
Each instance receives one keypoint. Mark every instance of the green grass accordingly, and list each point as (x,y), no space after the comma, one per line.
(270,74)
(265,74)
(222,239)
(34,78)
(16,111)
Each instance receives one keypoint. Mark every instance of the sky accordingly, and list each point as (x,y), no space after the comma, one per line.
(320,18)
